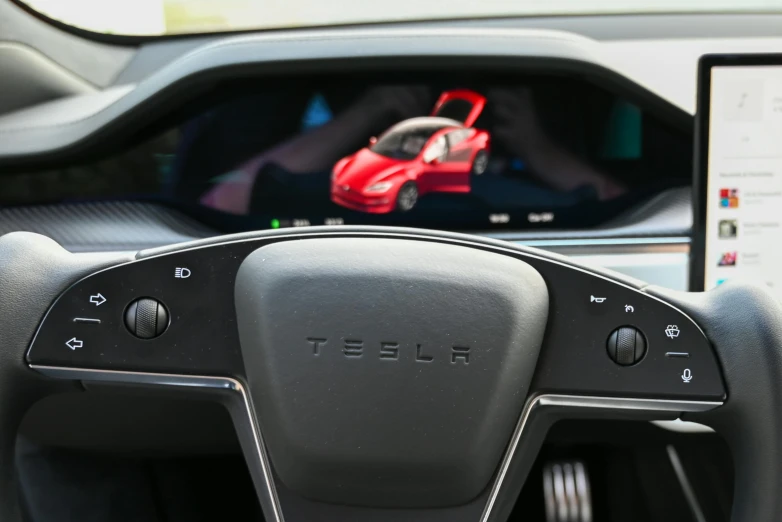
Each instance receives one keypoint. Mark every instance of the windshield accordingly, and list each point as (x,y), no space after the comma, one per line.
(406,140)
(161,17)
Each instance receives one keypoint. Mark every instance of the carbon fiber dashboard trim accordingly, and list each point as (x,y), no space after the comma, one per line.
(102,227)
(131,226)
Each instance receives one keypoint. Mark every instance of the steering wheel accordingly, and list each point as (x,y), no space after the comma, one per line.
(378,374)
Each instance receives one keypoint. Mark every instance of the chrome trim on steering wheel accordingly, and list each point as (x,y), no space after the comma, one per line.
(270,501)
(575,401)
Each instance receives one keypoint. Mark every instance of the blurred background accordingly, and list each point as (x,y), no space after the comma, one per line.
(160,17)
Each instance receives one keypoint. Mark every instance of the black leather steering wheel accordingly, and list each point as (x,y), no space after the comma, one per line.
(378,374)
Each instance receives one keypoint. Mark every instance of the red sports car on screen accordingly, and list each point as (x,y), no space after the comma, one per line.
(436,153)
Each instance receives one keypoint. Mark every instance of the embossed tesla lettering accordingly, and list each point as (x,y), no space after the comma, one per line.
(389,351)
(460,352)
(421,356)
(316,343)
(353,348)
(386,350)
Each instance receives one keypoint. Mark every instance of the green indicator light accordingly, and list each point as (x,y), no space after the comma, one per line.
(275,223)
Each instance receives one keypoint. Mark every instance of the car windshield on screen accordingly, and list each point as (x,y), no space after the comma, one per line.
(161,17)
(406,140)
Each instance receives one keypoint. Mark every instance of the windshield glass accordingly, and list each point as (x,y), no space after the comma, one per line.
(161,17)
(406,140)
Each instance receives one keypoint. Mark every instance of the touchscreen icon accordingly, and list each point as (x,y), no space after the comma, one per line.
(728,228)
(729,198)
(743,101)
(728,259)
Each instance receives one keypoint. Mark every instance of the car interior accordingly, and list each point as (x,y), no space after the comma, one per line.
(378,263)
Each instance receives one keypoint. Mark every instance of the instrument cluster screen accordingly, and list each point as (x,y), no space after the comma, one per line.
(538,152)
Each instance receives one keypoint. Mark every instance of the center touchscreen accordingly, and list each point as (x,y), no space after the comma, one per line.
(744,176)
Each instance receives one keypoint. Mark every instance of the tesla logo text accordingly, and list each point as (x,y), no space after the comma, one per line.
(385,350)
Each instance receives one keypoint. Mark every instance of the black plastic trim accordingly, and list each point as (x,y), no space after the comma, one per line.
(181,82)
(136,225)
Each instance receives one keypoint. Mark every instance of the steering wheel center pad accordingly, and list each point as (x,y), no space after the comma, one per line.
(388,372)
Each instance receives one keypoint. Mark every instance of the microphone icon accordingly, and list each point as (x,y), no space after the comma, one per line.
(687,376)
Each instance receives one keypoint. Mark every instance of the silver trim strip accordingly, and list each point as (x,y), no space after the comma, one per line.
(619,403)
(684,482)
(160,379)
(190,381)
(234,385)
(573,401)
(590,242)
(510,238)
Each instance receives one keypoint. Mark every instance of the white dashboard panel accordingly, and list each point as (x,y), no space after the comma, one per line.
(668,67)
(658,263)
(662,269)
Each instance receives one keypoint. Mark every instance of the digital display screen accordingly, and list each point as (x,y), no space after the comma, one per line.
(546,152)
(743,189)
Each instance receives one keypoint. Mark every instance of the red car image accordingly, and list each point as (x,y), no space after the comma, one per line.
(437,153)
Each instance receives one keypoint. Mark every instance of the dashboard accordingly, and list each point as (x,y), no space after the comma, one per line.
(589,150)
(146,154)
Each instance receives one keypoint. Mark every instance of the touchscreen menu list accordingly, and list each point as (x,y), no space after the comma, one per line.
(744,192)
